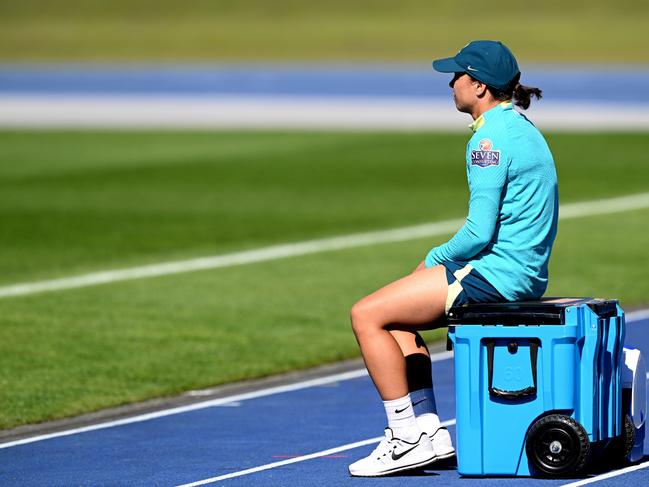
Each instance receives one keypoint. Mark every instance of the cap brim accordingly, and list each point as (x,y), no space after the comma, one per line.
(447,65)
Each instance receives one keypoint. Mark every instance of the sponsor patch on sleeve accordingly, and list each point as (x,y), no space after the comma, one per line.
(485,156)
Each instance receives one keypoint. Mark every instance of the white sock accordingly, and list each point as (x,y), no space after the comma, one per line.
(401,419)
(429,423)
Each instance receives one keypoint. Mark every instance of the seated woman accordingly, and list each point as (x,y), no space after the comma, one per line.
(500,254)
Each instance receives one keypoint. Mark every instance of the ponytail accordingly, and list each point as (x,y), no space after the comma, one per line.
(521,95)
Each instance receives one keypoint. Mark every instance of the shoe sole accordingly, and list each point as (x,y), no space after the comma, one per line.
(445,455)
(396,469)
(439,458)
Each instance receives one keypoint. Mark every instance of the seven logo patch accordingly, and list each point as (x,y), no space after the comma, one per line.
(485,156)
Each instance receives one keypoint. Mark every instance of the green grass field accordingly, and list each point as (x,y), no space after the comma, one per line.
(79,202)
(409,30)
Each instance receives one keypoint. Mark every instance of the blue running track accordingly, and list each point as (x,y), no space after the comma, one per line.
(596,84)
(225,440)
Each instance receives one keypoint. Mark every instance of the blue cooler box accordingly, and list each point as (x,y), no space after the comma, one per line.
(538,384)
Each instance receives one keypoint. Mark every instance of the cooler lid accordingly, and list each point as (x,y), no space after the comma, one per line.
(546,311)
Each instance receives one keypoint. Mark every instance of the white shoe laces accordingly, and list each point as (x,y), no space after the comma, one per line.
(386,447)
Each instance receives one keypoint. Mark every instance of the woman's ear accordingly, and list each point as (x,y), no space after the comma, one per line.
(480,89)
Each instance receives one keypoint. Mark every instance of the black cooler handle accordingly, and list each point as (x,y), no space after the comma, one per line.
(494,391)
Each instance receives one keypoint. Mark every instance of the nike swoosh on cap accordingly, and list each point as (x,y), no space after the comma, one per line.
(471,69)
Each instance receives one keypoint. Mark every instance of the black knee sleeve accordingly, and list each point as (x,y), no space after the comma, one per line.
(418,372)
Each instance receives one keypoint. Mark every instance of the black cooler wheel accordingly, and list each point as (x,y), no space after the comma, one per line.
(617,452)
(557,446)
(628,436)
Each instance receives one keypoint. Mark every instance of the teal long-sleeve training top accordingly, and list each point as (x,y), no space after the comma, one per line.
(513,206)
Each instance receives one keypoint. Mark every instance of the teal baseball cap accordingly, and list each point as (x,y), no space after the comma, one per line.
(490,62)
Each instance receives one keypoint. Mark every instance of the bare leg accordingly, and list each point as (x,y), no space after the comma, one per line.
(412,301)
(410,342)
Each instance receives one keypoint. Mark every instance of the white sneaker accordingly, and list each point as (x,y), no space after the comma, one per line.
(394,455)
(442,444)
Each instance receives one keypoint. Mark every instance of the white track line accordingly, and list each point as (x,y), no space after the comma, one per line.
(634,316)
(639,315)
(630,317)
(303,458)
(301,112)
(573,210)
(608,475)
(353,374)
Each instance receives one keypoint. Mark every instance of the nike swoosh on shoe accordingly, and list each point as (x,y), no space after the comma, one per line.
(397,456)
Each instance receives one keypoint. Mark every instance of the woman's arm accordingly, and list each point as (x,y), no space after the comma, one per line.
(486,183)
(475,234)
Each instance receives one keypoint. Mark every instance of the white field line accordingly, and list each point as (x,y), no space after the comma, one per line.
(303,458)
(608,475)
(572,210)
(237,258)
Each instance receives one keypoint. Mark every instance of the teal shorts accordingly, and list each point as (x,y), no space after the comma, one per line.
(466,285)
